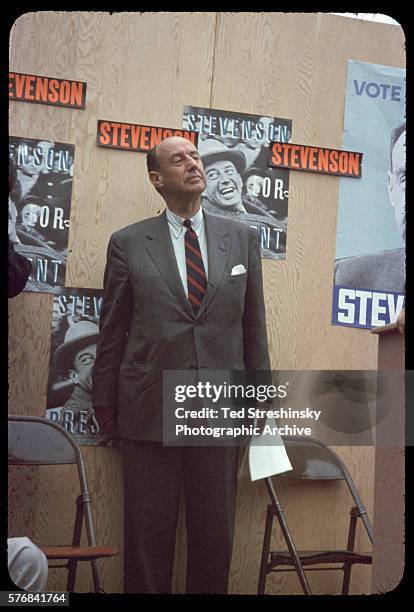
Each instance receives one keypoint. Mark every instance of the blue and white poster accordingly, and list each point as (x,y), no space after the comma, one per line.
(369,283)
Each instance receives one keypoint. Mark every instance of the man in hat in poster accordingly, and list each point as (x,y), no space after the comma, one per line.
(76,358)
(224,197)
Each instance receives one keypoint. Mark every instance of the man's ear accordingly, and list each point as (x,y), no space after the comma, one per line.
(156,179)
(390,187)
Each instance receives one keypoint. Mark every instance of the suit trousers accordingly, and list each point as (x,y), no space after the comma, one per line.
(153,478)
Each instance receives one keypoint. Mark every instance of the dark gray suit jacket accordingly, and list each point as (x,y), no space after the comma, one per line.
(147,324)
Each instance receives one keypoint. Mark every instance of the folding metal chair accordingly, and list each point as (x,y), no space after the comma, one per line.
(311,460)
(38,441)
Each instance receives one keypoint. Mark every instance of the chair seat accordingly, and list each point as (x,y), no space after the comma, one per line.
(311,557)
(83,553)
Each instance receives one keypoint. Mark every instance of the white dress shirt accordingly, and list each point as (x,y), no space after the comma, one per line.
(177,232)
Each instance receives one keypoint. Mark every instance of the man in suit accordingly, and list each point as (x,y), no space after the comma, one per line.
(171,302)
(384,270)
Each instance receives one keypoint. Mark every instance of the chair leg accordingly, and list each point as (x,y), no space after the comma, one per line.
(72,569)
(265,552)
(90,532)
(288,537)
(347,567)
(347,578)
(96,575)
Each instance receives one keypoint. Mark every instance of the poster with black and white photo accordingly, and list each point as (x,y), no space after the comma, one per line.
(369,276)
(39,207)
(75,331)
(234,148)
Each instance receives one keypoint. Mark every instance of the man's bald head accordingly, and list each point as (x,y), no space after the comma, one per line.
(175,169)
(153,154)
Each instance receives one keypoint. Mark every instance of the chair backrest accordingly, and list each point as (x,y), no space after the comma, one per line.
(312,460)
(37,441)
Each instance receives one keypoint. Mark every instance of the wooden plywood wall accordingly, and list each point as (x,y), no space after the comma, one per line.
(143,68)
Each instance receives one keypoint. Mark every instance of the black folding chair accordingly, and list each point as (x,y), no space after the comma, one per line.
(311,460)
(38,441)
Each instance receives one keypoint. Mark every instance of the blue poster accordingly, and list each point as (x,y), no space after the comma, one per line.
(369,282)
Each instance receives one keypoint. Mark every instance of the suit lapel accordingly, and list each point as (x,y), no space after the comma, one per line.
(218,248)
(160,249)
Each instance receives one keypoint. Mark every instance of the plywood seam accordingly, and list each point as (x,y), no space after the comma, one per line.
(214,59)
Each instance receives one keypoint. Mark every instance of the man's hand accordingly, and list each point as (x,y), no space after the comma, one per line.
(401,321)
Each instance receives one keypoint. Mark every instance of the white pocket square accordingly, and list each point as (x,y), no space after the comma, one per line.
(239,269)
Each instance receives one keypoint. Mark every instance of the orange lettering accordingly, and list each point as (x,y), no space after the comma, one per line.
(313,152)
(104,137)
(64,92)
(41,89)
(286,150)
(76,94)
(294,157)
(323,160)
(166,133)
(354,162)
(156,137)
(145,133)
(276,149)
(304,154)
(333,164)
(343,162)
(19,85)
(28,90)
(191,136)
(124,134)
(53,86)
(115,130)
(135,131)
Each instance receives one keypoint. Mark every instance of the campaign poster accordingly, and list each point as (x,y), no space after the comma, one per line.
(39,207)
(369,278)
(234,148)
(74,336)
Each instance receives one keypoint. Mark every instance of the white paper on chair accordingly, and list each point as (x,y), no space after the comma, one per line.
(267,454)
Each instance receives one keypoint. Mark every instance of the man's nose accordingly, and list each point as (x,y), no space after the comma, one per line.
(224,179)
(191,162)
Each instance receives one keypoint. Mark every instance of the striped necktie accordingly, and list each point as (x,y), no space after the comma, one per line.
(196,274)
